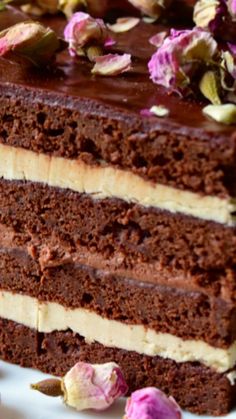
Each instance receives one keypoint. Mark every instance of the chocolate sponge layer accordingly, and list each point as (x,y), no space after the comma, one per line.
(143,243)
(197,388)
(187,314)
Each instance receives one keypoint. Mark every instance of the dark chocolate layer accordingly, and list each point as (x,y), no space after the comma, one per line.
(197,388)
(127,239)
(189,315)
(68,112)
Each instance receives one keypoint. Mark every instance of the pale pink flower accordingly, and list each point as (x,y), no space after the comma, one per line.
(151,403)
(88,386)
(83,31)
(180,56)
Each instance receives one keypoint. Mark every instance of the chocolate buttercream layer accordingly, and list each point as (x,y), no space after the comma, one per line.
(70,113)
(187,314)
(127,239)
(197,388)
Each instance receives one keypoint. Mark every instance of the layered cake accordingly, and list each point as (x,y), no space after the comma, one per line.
(117,230)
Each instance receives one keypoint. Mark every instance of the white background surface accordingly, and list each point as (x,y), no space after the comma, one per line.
(19,402)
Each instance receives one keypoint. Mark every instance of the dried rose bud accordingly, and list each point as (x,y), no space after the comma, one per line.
(151,403)
(31,41)
(180,57)
(87,386)
(93,386)
(152,8)
(83,31)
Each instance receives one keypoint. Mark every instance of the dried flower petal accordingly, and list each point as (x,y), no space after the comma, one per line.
(29,40)
(226,114)
(180,56)
(158,39)
(218,16)
(229,68)
(152,8)
(82,31)
(95,387)
(124,24)
(205,11)
(112,64)
(209,87)
(151,403)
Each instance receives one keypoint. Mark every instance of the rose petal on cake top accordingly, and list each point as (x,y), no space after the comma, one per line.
(83,30)
(151,403)
(87,386)
(158,39)
(31,41)
(112,64)
(124,24)
(180,56)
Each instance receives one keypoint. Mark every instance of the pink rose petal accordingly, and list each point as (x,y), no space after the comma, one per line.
(158,39)
(112,64)
(124,24)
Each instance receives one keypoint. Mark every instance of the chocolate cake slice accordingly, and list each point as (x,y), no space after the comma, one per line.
(117,231)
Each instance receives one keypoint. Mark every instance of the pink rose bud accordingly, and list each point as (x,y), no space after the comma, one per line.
(87,386)
(31,41)
(151,403)
(83,31)
(180,57)
(95,387)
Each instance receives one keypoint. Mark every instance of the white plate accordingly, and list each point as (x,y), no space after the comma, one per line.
(19,402)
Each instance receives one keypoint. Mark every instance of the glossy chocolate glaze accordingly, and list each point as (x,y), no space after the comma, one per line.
(71,84)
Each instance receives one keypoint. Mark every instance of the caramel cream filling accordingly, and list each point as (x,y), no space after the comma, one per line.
(49,317)
(108,182)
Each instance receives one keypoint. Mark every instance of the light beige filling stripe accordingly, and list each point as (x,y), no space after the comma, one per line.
(48,317)
(106,182)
